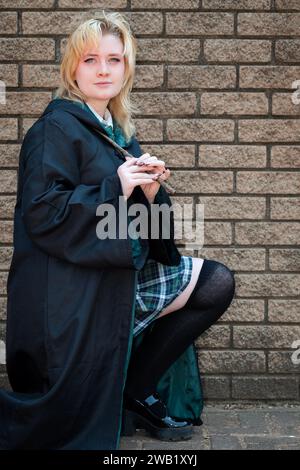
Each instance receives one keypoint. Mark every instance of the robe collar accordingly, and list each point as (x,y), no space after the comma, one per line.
(83,112)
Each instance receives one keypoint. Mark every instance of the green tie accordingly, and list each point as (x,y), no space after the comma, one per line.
(109,130)
(115,132)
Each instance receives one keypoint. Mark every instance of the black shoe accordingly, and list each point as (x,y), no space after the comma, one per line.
(151,414)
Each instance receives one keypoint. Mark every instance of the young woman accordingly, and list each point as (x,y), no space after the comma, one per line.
(75,301)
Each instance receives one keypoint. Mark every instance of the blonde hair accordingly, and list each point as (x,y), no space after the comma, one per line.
(86,35)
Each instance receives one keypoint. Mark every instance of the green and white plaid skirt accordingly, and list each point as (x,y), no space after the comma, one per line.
(158,285)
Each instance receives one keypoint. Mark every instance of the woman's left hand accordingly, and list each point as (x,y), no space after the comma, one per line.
(153,166)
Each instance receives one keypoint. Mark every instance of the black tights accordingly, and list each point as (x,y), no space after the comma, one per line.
(173,333)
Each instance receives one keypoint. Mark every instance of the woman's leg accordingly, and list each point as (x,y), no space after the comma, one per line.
(182,299)
(173,333)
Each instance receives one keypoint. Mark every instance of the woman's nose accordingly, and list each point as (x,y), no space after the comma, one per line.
(103,68)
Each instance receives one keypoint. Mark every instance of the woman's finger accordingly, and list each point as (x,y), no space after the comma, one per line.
(144,175)
(143,181)
(150,161)
(165,174)
(130,161)
(149,157)
(144,156)
(139,168)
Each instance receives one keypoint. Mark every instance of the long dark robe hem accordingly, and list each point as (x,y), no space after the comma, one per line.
(71,296)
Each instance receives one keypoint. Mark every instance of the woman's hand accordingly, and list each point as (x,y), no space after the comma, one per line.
(132,174)
(155,168)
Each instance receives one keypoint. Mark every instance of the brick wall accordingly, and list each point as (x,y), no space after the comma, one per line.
(214,84)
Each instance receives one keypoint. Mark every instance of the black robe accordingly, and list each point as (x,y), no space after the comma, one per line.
(71,296)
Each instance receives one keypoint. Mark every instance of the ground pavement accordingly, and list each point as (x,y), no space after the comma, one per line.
(233,427)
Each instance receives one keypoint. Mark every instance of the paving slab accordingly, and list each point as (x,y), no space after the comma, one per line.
(233,427)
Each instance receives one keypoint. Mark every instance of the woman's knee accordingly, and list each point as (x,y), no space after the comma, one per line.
(221,287)
(215,287)
(228,283)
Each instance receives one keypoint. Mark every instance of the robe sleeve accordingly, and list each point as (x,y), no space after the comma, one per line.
(59,212)
(161,249)
(135,246)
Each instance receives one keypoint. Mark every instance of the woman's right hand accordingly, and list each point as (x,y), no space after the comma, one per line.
(132,175)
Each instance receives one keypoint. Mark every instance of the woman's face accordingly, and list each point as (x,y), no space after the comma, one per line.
(103,64)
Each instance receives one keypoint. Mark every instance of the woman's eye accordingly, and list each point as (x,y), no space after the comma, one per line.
(118,60)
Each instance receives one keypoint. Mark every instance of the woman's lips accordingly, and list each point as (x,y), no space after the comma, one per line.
(103,84)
